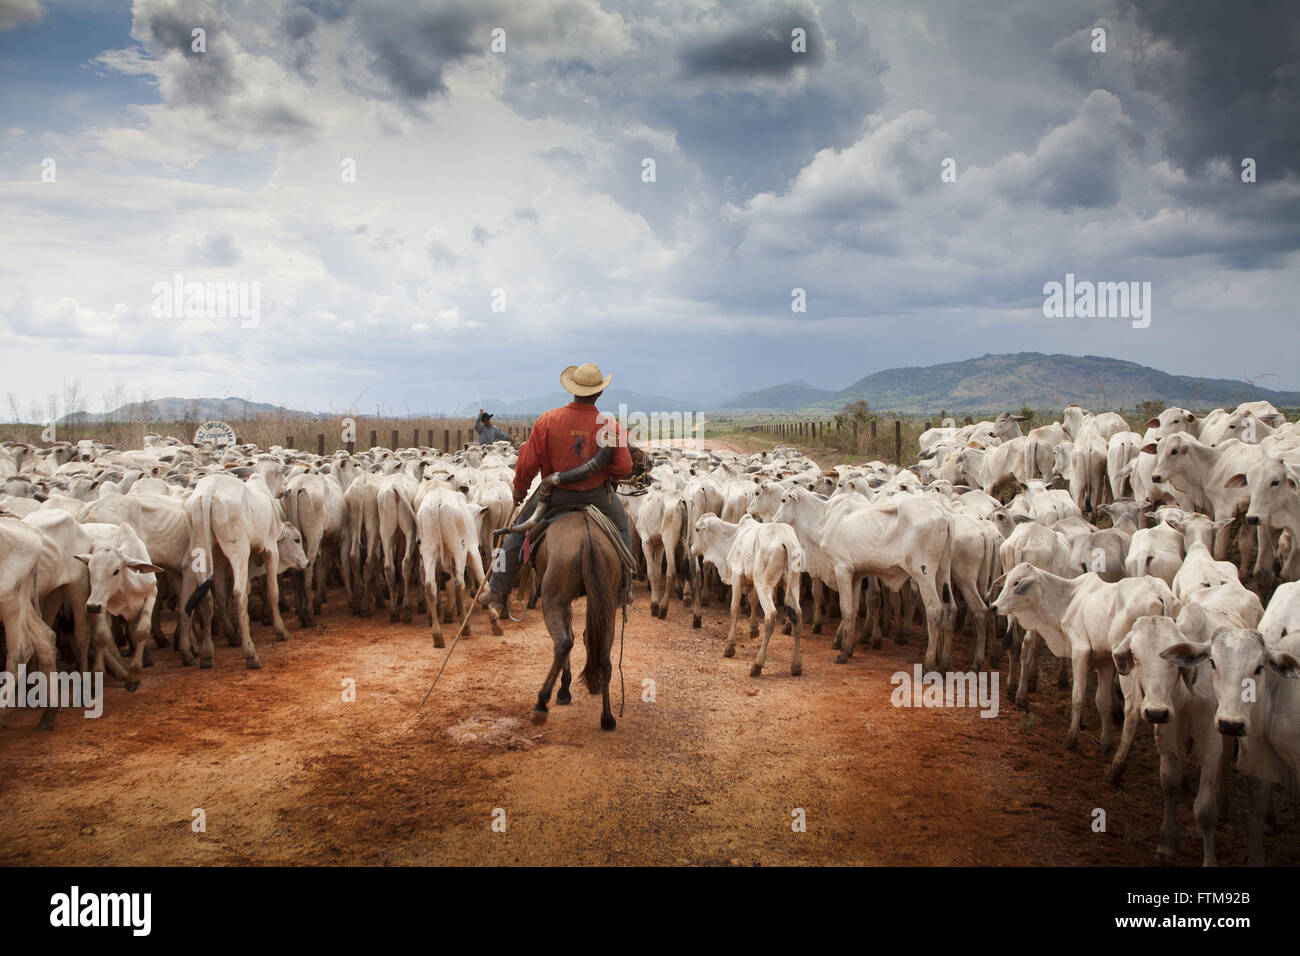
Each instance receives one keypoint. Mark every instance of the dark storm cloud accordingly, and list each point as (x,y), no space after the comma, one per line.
(1231,82)
(760,47)
(411,48)
(166,29)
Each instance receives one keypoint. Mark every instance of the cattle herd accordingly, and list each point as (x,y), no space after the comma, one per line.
(1164,562)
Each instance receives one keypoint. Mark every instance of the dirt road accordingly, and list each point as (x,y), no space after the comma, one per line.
(711,771)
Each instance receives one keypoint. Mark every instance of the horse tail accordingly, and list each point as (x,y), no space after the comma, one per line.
(600,614)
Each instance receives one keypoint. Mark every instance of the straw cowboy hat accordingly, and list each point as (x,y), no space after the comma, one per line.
(584,379)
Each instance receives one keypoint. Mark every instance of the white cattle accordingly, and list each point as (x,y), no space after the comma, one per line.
(899,540)
(26,633)
(1180,704)
(1155,551)
(395,502)
(1122,448)
(1085,619)
(1263,721)
(123,584)
(661,523)
(447,529)
(240,520)
(755,557)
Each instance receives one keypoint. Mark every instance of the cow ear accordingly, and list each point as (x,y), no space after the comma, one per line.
(144,567)
(1149,448)
(1024,586)
(1123,655)
(1154,423)
(1186,654)
(83,558)
(1284,664)
(1236,481)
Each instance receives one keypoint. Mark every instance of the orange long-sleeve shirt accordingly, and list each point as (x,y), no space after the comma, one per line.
(564,438)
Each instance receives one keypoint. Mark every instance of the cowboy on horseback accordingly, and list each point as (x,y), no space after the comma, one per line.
(588,450)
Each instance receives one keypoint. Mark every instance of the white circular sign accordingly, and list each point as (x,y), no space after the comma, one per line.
(219,433)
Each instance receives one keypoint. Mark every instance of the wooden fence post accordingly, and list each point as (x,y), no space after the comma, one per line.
(395,439)
(374,438)
(446,439)
(288,441)
(415,439)
(459,444)
(320,444)
(898,441)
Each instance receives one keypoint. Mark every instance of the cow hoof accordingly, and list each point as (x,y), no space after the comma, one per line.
(132,686)
(607,722)
(252,663)
(654,609)
(836,644)
(47,721)
(1022,703)
(1107,747)
(392,617)
(438,641)
(756,671)
(539,715)
(187,662)
(796,670)
(1071,743)
(696,622)
(1114,775)
(563,697)
(841,657)
(281,637)
(730,651)
(205,663)
(663,610)
(817,628)
(786,629)
(876,643)
(1164,854)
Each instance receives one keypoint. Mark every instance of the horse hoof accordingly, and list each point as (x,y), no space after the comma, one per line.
(756,671)
(132,686)
(607,722)
(563,698)
(696,622)
(539,715)
(252,663)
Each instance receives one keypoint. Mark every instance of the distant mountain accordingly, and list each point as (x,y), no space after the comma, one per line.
(609,402)
(994,383)
(180,409)
(788,397)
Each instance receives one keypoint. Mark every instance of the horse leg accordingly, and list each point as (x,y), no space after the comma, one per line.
(565,614)
(557,623)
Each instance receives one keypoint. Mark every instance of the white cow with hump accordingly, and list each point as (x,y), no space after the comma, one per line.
(26,633)
(240,520)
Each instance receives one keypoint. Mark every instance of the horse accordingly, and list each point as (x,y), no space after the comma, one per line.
(574,558)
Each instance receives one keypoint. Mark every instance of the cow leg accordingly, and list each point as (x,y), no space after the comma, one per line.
(273,596)
(764,598)
(1063,673)
(896,622)
(1132,692)
(1207,794)
(938,646)
(873,600)
(1105,698)
(1079,660)
(818,597)
(1013,660)
(848,585)
(431,602)
(737,589)
(1171,779)
(755,607)
(654,572)
(1258,795)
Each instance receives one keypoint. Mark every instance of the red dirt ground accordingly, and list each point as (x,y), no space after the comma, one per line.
(708,773)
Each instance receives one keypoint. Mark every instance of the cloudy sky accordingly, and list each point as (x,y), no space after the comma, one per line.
(523,171)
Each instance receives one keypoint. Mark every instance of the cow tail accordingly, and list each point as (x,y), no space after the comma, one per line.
(205,538)
(943,574)
(794,568)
